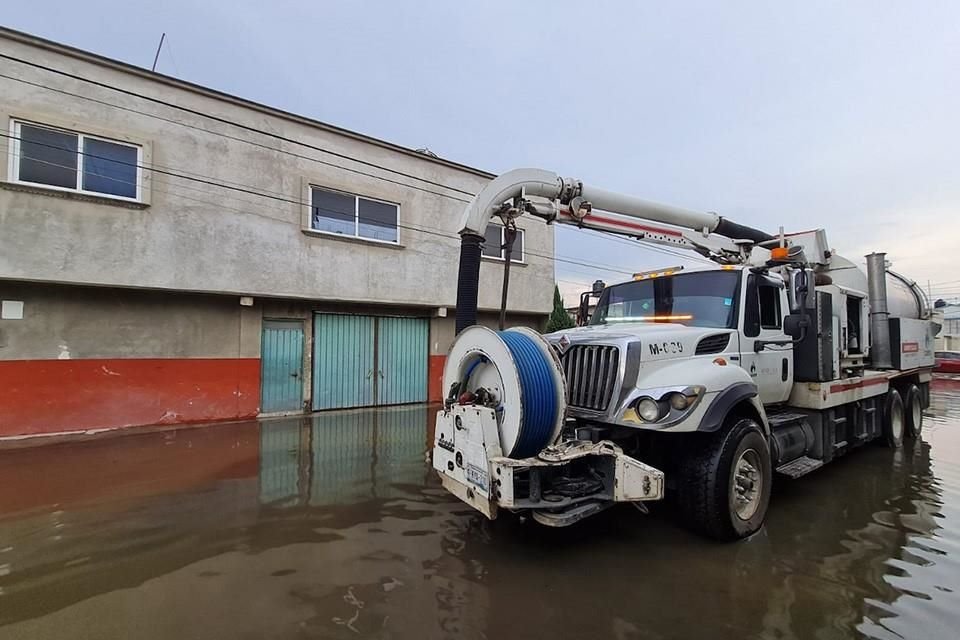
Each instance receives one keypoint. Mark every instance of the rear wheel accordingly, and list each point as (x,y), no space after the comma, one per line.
(913,407)
(725,483)
(893,419)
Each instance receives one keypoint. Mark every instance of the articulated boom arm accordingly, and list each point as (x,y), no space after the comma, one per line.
(568,201)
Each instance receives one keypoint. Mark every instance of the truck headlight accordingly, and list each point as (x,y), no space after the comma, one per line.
(678,401)
(648,409)
(664,406)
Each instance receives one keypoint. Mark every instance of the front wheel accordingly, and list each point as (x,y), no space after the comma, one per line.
(725,483)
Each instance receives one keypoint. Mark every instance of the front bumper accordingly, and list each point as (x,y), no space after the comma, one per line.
(563,484)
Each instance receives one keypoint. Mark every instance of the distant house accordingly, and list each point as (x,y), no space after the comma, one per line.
(170,253)
(949,337)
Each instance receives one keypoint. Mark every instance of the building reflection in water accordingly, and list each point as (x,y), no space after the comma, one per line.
(333,525)
(343,457)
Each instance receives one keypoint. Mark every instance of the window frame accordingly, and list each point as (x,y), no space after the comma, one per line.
(776,300)
(13,168)
(521,236)
(356,216)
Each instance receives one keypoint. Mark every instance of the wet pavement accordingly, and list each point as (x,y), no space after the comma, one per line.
(333,526)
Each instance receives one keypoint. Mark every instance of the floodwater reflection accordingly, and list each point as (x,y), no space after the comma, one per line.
(333,526)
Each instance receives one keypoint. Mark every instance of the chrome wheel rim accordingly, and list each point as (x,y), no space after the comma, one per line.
(747,484)
(917,414)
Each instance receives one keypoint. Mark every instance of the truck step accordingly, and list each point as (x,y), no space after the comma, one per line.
(786,417)
(799,467)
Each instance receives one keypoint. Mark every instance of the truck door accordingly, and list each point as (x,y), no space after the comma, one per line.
(771,368)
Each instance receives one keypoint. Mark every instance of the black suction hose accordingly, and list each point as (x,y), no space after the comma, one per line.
(468,281)
(736,231)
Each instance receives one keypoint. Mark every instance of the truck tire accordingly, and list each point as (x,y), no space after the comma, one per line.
(913,407)
(893,420)
(724,486)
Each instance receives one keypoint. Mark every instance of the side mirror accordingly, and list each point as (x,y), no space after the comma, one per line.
(794,325)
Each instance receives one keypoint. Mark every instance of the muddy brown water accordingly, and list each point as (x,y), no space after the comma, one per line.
(334,527)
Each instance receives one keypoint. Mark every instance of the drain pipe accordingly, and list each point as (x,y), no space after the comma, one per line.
(880,354)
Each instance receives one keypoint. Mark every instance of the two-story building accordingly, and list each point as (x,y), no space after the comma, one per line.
(170,253)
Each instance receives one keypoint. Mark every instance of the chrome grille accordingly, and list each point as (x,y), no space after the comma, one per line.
(591,373)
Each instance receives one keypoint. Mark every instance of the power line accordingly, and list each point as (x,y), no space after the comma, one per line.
(230,137)
(635,244)
(267,147)
(945,282)
(277,150)
(456,237)
(229,122)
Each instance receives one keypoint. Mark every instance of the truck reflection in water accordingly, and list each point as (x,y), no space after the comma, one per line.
(333,526)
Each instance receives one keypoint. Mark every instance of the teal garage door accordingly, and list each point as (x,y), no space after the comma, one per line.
(402,360)
(361,361)
(281,366)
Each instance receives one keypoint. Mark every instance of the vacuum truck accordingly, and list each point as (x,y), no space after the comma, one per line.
(694,385)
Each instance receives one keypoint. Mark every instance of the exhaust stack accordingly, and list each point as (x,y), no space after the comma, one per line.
(880,354)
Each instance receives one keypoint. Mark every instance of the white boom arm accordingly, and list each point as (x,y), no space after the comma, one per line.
(568,201)
(577,202)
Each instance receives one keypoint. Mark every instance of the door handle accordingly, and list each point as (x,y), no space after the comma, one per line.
(294,375)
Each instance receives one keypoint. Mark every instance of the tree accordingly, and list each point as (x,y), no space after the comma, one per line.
(559,318)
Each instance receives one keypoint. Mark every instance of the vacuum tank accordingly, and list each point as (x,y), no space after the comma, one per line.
(905,299)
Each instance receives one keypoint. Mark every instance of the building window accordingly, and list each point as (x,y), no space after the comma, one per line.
(494,240)
(71,161)
(350,215)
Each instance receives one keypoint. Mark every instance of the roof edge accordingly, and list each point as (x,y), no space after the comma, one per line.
(94,58)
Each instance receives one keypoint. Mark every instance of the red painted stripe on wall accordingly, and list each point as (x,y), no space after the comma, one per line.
(435,390)
(50,396)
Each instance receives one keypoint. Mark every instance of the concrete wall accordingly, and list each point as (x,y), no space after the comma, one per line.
(85,358)
(193,237)
(89,358)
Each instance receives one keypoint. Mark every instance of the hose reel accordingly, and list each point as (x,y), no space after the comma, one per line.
(519,374)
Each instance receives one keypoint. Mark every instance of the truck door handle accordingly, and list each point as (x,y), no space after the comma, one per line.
(784,370)
(294,375)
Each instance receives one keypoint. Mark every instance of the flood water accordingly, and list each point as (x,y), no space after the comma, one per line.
(334,527)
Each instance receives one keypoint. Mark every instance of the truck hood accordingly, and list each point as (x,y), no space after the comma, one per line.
(660,341)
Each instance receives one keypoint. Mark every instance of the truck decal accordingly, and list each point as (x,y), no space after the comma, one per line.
(665,348)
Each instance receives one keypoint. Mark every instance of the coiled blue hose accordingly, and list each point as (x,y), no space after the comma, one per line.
(538,392)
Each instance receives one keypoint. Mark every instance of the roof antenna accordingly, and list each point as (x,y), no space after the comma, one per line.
(157,57)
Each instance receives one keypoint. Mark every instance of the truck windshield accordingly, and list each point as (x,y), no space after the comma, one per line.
(699,299)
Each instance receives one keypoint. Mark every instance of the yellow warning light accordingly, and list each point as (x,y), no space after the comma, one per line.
(643,275)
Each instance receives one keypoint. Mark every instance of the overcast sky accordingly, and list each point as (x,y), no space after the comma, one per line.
(842,115)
